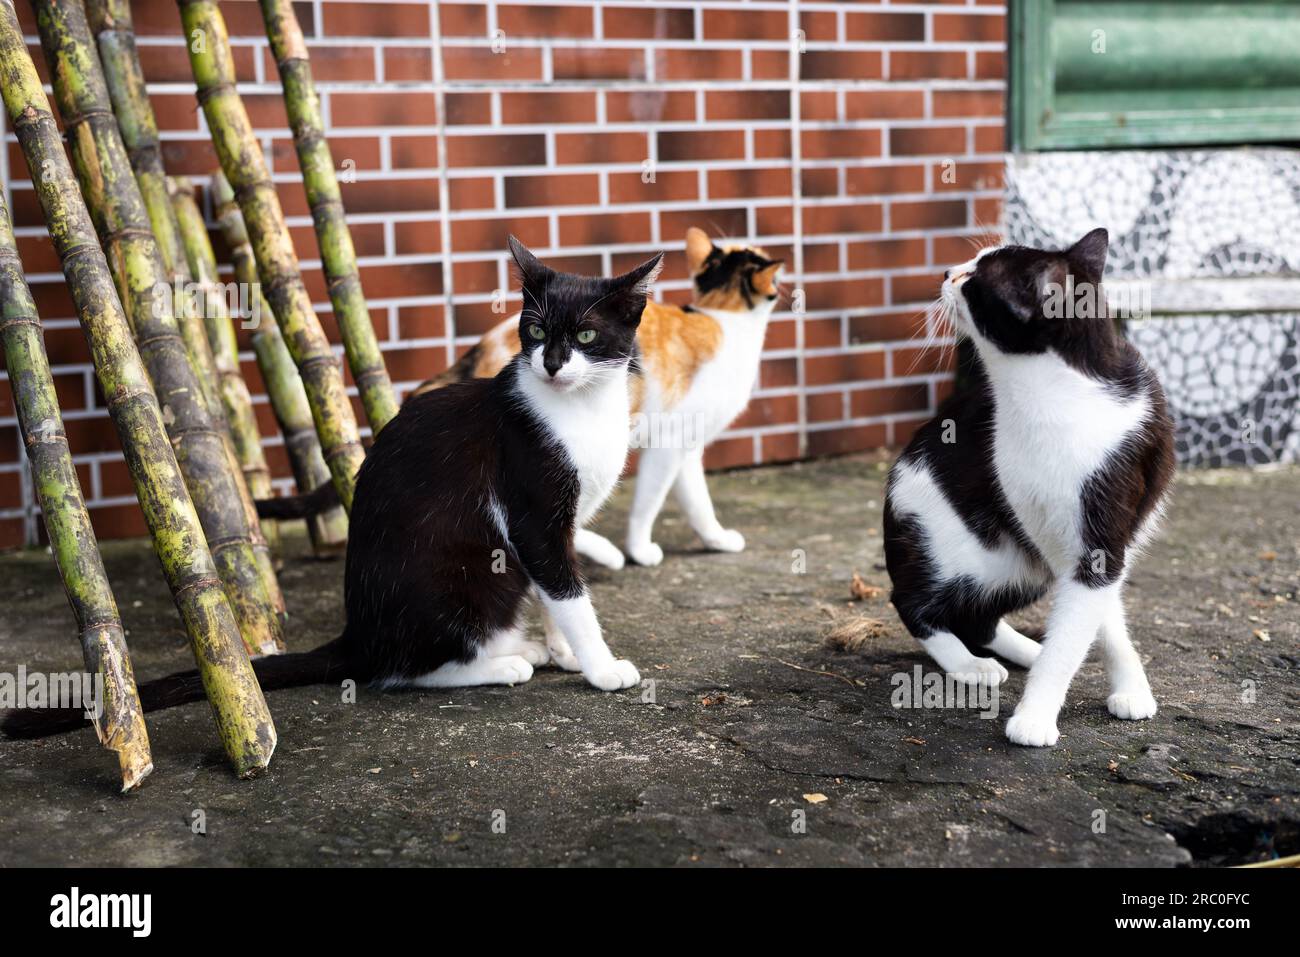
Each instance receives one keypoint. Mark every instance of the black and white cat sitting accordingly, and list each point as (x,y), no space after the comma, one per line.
(466,507)
(1046,475)
(471,496)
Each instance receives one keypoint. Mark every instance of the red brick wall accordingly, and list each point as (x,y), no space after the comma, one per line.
(548,134)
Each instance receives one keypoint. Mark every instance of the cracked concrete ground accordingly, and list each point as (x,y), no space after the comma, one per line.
(762,746)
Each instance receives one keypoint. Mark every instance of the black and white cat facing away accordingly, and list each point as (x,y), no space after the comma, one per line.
(466,507)
(1046,475)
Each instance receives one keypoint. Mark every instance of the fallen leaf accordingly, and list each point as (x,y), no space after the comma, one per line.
(815,798)
(861,591)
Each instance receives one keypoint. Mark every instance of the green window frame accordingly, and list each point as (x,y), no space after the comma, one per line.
(1169,73)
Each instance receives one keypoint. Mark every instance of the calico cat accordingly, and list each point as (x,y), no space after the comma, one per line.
(1046,474)
(466,506)
(699,365)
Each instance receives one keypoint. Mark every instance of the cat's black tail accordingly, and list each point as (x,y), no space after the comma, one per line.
(320,499)
(328,663)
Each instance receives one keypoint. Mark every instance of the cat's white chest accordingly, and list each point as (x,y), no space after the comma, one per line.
(1053,429)
(591,429)
(598,455)
(723,385)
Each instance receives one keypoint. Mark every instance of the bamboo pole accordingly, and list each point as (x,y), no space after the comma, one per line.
(235,398)
(110,24)
(202,267)
(328,530)
(118,211)
(326,203)
(243,721)
(120,720)
(242,161)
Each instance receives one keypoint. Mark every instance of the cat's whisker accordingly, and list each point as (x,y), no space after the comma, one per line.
(953,333)
(930,325)
(989,234)
(719,237)
(540,306)
(597,303)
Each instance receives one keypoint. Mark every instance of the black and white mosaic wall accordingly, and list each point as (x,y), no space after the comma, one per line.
(1190,222)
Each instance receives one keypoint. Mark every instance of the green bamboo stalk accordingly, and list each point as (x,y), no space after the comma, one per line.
(118,211)
(328,530)
(120,723)
(242,161)
(243,720)
(110,24)
(326,202)
(235,398)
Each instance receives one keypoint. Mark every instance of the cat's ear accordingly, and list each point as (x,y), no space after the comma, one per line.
(637,282)
(1050,280)
(765,278)
(698,248)
(1089,253)
(531,269)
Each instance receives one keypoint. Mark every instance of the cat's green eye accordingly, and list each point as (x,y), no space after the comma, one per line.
(586,336)
(536,331)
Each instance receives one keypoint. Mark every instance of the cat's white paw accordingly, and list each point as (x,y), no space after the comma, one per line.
(647,553)
(533,652)
(508,670)
(1032,729)
(613,675)
(726,540)
(598,549)
(1132,706)
(612,559)
(565,659)
(981,671)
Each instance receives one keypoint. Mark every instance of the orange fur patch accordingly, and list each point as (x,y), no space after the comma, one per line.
(674,345)
(765,280)
(499,346)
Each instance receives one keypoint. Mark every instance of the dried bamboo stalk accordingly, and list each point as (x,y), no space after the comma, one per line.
(242,161)
(328,530)
(110,24)
(243,721)
(235,398)
(120,723)
(117,208)
(326,202)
